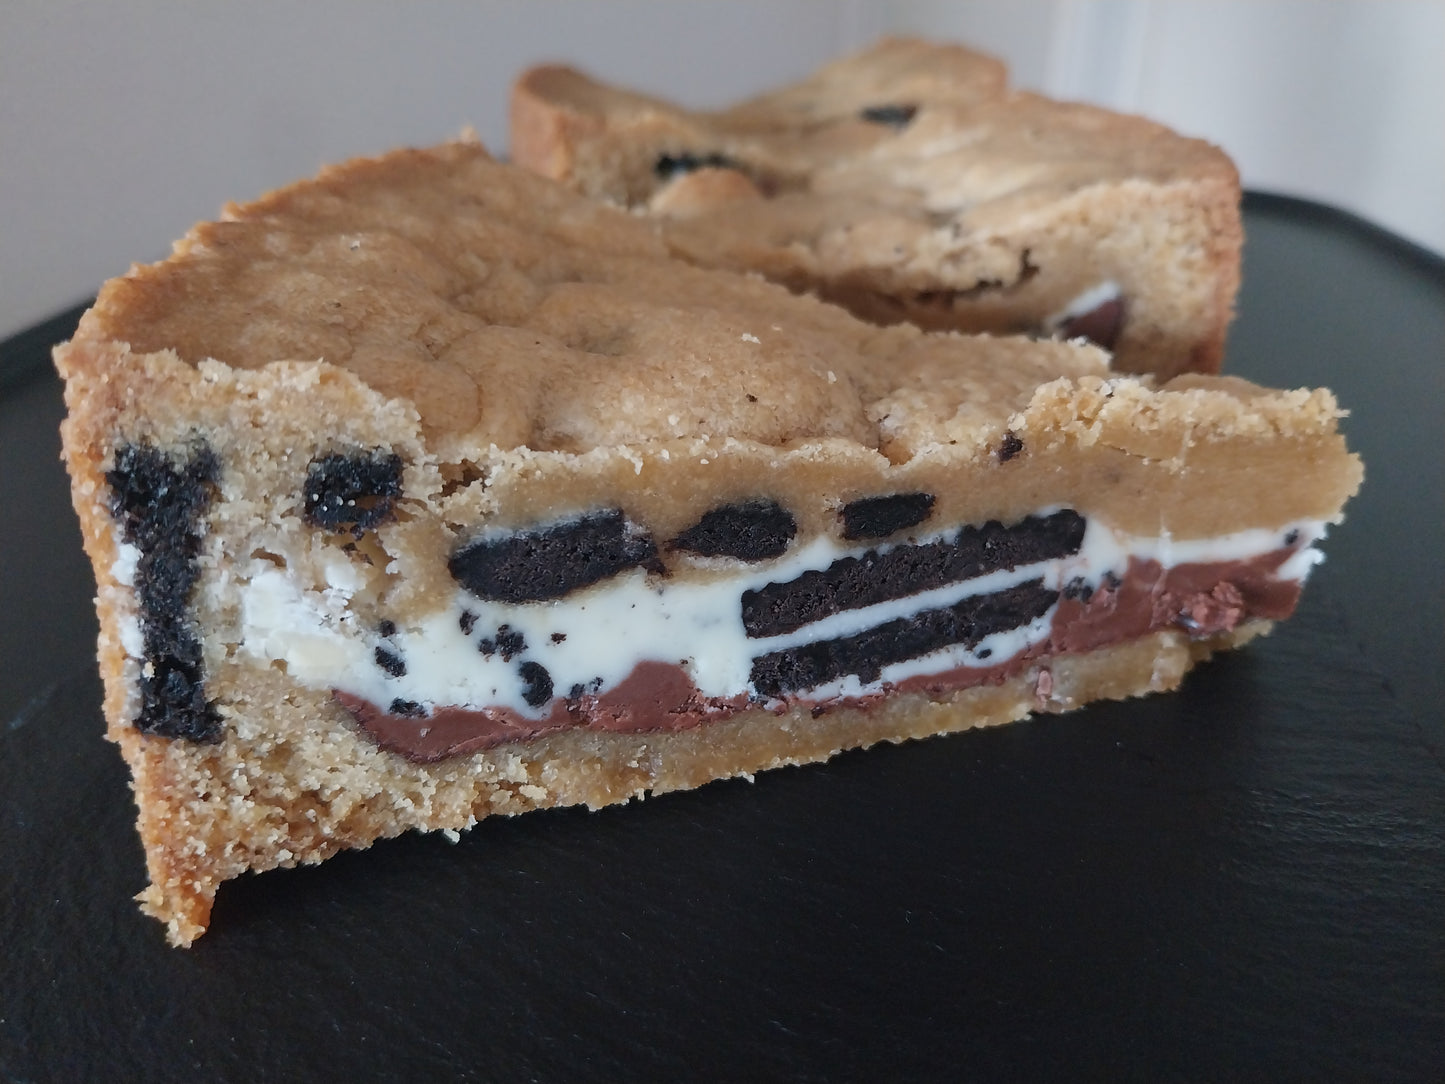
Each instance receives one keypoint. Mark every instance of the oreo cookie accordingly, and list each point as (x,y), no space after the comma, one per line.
(390,661)
(881,575)
(893,116)
(352,491)
(754,531)
(507,643)
(879,517)
(536,683)
(531,566)
(865,654)
(159,504)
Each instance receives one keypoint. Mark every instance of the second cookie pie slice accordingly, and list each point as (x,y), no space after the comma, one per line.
(907,184)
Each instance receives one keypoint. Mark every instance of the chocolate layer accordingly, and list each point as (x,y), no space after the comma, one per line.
(159,504)
(1200,599)
(874,577)
(865,654)
(529,566)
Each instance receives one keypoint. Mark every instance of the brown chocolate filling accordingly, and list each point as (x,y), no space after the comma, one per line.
(655,696)
(1201,599)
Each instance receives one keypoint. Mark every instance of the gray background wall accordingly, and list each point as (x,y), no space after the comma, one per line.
(121,124)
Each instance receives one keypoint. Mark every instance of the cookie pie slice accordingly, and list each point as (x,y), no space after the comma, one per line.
(908,184)
(428,489)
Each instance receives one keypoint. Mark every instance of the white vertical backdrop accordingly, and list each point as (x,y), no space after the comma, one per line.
(121,124)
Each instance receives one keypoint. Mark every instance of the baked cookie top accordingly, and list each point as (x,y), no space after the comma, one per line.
(914,209)
(513,312)
(894,69)
(889,166)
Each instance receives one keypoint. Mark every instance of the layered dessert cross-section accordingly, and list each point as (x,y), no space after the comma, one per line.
(908,183)
(428,489)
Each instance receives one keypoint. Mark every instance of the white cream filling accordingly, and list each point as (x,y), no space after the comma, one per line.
(608,629)
(132,640)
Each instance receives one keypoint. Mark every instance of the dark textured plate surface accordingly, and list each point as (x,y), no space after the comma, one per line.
(1246,879)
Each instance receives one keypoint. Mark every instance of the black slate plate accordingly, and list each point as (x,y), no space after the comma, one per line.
(1246,879)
